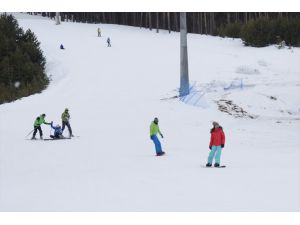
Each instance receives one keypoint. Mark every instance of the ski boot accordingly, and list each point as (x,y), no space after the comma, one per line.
(208,165)
(217,165)
(160,153)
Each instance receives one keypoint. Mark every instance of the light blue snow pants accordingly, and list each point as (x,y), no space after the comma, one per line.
(156,143)
(215,152)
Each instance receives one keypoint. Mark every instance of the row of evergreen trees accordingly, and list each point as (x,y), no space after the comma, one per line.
(22,64)
(265,31)
(255,28)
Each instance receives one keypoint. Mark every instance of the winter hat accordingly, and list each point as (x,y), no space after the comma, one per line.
(215,124)
(156,120)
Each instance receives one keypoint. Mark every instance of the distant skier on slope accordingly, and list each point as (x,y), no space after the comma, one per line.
(108,42)
(57,132)
(65,116)
(217,142)
(62,47)
(99,32)
(154,129)
(37,125)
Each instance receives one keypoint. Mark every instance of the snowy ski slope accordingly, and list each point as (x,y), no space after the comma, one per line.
(114,93)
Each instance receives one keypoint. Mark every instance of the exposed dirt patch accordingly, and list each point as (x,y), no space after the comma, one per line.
(233,109)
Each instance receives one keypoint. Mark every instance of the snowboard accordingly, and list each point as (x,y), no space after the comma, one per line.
(222,166)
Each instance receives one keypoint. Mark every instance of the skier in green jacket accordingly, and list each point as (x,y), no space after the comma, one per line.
(37,125)
(154,130)
(65,116)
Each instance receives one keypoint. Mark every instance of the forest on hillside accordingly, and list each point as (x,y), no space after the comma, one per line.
(197,22)
(256,29)
(22,63)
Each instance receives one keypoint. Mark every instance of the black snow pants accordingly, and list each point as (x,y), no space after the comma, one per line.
(66,123)
(36,128)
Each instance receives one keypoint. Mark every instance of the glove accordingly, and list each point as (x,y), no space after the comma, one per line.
(162,136)
(222,146)
(210,147)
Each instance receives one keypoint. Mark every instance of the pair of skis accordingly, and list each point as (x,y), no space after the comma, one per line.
(56,139)
(52,139)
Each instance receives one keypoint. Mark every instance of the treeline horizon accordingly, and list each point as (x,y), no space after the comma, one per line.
(197,22)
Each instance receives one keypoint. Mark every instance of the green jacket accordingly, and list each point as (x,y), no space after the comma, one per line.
(39,121)
(154,129)
(65,116)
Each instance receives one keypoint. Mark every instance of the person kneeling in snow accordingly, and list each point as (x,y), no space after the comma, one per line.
(57,132)
(154,129)
(217,142)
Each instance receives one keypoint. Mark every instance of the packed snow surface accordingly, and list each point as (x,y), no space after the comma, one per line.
(114,93)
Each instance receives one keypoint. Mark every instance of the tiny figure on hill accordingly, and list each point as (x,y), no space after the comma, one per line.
(62,47)
(65,116)
(154,129)
(282,44)
(57,131)
(99,32)
(37,125)
(217,142)
(108,42)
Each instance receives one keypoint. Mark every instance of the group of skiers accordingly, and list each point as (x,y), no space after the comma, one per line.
(217,137)
(217,142)
(107,40)
(58,130)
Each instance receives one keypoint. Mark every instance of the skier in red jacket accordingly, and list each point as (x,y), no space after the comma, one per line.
(217,142)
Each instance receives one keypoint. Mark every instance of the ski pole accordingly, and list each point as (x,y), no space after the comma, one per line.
(29,133)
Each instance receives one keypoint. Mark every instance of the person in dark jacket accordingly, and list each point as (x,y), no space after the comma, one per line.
(57,131)
(108,42)
(62,47)
(217,142)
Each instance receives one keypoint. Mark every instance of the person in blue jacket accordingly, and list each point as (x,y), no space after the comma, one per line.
(57,131)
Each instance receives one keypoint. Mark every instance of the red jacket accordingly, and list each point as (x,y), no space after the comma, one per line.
(217,137)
